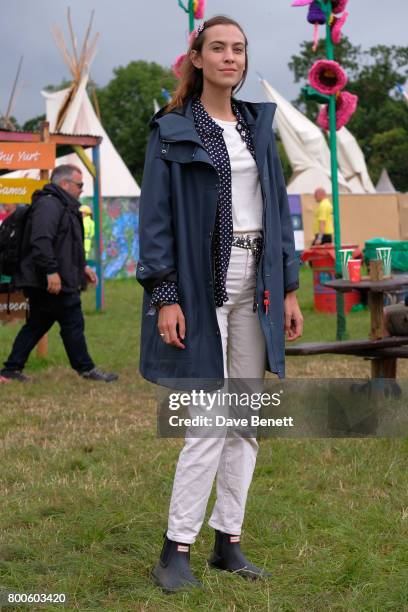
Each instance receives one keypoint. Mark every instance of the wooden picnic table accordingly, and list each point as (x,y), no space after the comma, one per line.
(383,351)
(376,290)
(383,366)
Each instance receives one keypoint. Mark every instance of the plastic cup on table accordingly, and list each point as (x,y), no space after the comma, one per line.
(384,253)
(354,270)
(345,256)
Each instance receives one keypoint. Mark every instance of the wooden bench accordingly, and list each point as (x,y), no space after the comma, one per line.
(384,352)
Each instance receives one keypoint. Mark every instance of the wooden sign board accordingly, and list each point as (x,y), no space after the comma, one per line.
(16,303)
(27,155)
(18,191)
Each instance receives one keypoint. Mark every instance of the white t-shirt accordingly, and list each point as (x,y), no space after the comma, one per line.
(247,202)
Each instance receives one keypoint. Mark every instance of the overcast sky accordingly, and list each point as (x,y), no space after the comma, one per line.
(156,30)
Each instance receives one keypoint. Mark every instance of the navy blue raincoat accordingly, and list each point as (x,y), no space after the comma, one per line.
(177,215)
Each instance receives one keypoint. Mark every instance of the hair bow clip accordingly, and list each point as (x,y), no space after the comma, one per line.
(196,33)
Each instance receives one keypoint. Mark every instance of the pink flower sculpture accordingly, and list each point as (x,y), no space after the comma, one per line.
(177,66)
(199,8)
(301,2)
(346,105)
(338,23)
(338,6)
(327,77)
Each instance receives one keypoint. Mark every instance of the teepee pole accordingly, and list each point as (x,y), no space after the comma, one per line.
(84,57)
(13,91)
(73,42)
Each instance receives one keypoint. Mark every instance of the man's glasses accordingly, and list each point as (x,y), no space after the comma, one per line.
(80,185)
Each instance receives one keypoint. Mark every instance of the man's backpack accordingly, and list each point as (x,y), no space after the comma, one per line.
(11,243)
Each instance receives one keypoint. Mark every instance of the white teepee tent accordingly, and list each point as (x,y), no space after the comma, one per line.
(309,154)
(69,111)
(384,184)
(116,180)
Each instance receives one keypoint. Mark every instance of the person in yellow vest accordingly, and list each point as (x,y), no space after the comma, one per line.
(89,228)
(323,218)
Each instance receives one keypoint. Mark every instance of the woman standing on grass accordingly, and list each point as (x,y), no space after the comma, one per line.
(219,268)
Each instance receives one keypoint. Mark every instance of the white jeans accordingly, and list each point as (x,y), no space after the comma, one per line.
(232,460)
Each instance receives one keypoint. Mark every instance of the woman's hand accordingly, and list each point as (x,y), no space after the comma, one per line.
(293,317)
(170,317)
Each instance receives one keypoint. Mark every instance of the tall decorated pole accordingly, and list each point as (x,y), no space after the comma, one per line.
(341,332)
(327,80)
(195,10)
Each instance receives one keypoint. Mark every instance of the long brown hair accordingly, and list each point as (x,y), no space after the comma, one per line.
(191,80)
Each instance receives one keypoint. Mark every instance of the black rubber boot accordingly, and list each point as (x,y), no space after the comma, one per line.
(228,556)
(173,573)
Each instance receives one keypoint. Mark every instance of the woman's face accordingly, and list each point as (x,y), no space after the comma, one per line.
(222,57)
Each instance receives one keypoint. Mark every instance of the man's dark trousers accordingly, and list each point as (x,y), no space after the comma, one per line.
(45,310)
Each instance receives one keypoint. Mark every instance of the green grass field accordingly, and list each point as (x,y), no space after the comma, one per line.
(85,486)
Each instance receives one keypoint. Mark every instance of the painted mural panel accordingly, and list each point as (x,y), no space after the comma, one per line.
(120,228)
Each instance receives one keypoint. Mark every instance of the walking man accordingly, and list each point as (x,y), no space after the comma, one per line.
(52,273)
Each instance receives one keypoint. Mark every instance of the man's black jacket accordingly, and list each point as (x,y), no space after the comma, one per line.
(53,241)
